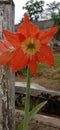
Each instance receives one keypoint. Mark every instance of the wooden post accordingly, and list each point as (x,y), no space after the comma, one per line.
(7,88)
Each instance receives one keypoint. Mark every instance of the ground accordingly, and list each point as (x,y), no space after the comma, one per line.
(48,83)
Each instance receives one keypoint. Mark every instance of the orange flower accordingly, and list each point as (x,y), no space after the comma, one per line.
(6,51)
(31,46)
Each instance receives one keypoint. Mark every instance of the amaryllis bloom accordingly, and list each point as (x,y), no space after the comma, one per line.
(6,52)
(32,46)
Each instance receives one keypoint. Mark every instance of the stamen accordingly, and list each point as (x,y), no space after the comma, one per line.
(30,46)
(11,49)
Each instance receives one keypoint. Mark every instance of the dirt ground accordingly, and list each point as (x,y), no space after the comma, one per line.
(52,83)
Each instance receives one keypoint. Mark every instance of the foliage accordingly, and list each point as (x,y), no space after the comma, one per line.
(35,9)
(53,8)
(32,113)
(57,60)
(56,20)
(54,12)
(21,72)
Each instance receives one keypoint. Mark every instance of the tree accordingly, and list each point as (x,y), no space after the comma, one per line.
(7,88)
(56,20)
(53,8)
(35,9)
(54,13)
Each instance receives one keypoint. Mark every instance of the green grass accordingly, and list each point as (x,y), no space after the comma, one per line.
(57,60)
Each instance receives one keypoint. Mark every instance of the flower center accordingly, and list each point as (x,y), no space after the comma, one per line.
(30,46)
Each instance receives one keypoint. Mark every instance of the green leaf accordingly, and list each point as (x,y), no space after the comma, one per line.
(36,109)
(20,127)
(32,113)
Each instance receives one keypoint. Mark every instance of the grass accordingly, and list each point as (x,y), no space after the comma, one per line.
(57,60)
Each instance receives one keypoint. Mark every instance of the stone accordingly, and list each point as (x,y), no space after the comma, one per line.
(36,90)
(39,122)
(38,94)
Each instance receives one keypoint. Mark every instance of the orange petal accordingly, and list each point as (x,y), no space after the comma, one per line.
(41,34)
(33,67)
(5,44)
(4,58)
(2,47)
(27,28)
(19,60)
(45,55)
(47,36)
(14,38)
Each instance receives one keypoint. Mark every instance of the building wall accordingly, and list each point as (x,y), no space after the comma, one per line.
(46,24)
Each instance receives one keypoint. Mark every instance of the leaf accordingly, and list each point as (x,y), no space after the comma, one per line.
(32,113)
(36,109)
(20,127)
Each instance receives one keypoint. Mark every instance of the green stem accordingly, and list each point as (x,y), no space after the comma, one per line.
(27,102)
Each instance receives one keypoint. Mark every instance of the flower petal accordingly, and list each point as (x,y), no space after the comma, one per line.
(27,28)
(19,60)
(4,58)
(5,44)
(33,67)
(2,47)
(14,38)
(47,36)
(45,55)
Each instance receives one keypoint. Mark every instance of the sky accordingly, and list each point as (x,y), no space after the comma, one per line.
(19,12)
